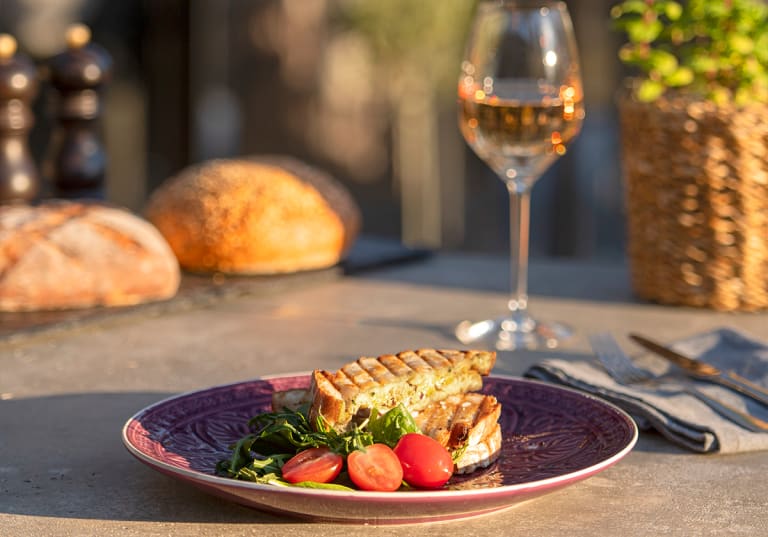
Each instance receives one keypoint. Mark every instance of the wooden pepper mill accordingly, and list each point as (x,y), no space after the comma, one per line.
(19,180)
(77,161)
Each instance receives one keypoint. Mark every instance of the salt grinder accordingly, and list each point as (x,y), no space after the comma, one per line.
(77,161)
(19,179)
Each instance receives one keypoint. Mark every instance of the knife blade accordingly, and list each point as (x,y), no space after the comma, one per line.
(704,371)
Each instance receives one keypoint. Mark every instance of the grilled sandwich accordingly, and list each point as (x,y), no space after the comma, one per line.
(467,425)
(438,387)
(414,379)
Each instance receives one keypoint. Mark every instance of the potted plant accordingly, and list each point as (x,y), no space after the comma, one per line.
(694,125)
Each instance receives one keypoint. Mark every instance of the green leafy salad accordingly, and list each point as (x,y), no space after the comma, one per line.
(279,436)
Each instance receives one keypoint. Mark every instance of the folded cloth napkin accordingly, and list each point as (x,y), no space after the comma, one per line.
(662,403)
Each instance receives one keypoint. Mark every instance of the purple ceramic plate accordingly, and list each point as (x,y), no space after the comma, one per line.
(553,437)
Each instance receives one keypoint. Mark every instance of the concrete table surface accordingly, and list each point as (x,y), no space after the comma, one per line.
(65,395)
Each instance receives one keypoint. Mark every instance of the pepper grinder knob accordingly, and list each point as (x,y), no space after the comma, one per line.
(19,179)
(78,35)
(77,160)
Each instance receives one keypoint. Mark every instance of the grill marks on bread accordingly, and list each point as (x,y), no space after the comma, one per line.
(460,419)
(413,378)
(466,422)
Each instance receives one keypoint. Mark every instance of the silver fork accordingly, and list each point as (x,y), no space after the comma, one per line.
(620,366)
(616,361)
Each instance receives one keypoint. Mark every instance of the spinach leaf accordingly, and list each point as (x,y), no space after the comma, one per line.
(282,432)
(387,428)
(258,470)
(241,457)
(329,486)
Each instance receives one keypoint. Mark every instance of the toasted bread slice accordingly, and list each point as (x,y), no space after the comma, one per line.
(460,420)
(481,454)
(414,379)
(467,423)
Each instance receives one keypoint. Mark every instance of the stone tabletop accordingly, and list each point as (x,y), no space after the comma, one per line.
(65,395)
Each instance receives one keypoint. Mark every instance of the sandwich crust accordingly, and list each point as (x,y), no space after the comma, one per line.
(481,454)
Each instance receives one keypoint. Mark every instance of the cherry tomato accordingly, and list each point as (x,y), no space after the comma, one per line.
(318,464)
(375,468)
(426,463)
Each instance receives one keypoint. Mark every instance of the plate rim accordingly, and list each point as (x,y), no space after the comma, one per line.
(410,495)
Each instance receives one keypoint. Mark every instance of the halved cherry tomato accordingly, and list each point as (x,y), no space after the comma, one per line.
(375,468)
(426,463)
(318,464)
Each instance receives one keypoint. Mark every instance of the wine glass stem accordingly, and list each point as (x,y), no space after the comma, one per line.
(519,233)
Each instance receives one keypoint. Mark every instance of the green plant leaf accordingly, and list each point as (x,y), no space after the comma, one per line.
(703,63)
(682,76)
(720,95)
(673,10)
(627,53)
(650,90)
(720,47)
(663,62)
(741,44)
(642,31)
(631,6)
(742,96)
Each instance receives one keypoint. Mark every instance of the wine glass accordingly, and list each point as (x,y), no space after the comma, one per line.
(520,105)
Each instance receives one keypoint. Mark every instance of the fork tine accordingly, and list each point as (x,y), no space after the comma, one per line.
(618,364)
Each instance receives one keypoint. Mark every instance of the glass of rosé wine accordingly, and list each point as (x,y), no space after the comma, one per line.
(520,105)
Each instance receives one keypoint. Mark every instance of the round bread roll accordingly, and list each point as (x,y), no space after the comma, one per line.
(254,216)
(63,255)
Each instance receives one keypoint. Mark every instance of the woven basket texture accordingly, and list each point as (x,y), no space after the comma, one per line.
(697,202)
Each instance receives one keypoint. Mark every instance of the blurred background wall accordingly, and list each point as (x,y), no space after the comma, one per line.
(362,88)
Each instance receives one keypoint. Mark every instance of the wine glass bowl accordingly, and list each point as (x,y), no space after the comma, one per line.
(520,105)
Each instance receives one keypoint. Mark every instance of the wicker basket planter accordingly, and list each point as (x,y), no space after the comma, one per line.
(697,202)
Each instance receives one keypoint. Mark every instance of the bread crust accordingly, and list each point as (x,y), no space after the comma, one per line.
(262,215)
(325,399)
(62,255)
(481,454)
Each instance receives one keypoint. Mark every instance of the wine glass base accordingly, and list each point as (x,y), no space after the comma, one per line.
(510,333)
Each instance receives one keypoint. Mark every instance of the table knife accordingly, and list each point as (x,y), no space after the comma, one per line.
(704,371)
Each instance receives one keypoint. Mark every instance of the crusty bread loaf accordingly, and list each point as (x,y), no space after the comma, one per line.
(411,378)
(62,255)
(255,216)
